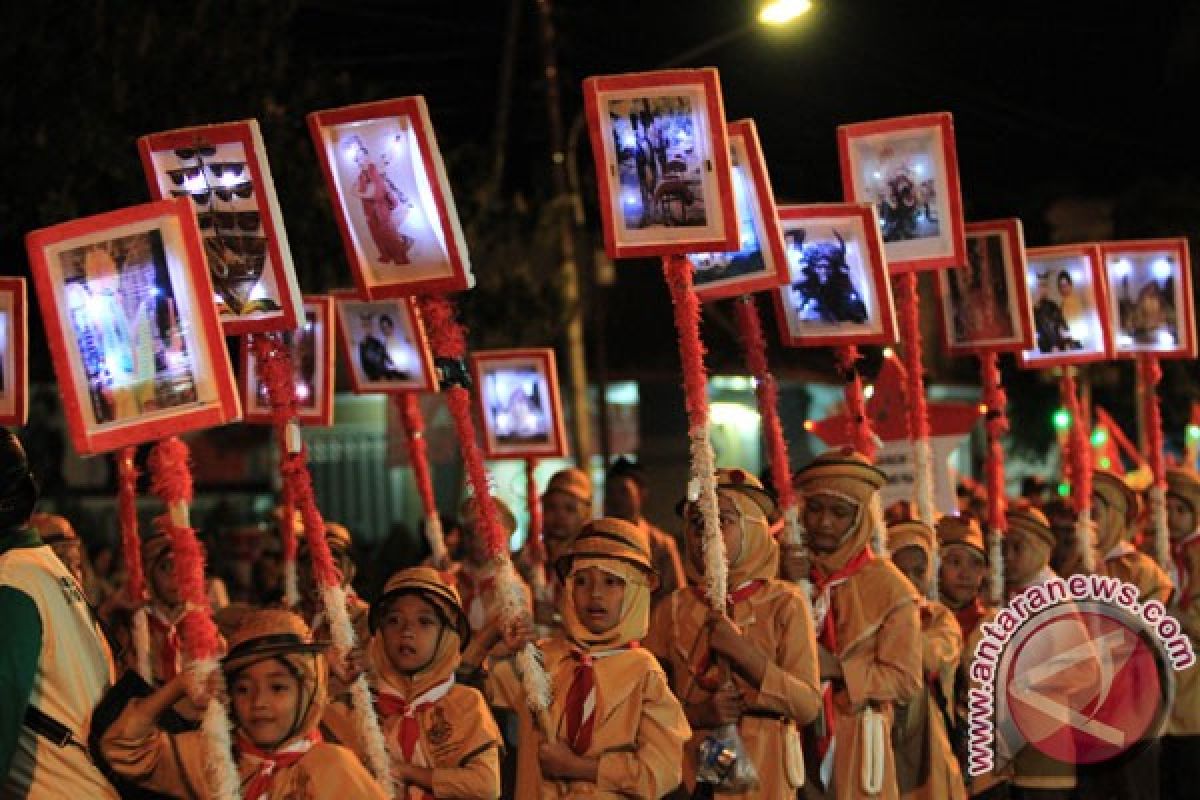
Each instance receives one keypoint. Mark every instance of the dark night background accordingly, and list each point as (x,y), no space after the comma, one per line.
(1090,105)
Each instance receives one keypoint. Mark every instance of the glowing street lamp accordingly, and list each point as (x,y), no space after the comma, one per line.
(781,12)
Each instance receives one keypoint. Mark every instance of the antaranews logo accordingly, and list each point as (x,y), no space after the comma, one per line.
(1076,668)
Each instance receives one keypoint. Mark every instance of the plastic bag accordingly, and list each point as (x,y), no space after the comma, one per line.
(721,759)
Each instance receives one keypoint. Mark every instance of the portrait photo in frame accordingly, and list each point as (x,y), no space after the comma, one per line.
(761,263)
(14,352)
(981,305)
(1064,288)
(839,292)
(519,403)
(1149,290)
(311,348)
(391,198)
(223,171)
(384,346)
(661,153)
(126,300)
(907,168)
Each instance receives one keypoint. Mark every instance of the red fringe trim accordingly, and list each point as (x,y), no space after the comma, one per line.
(446,336)
(131,543)
(754,344)
(418,449)
(1079,448)
(1151,369)
(996,425)
(910,333)
(488,525)
(533,505)
(678,272)
(170,475)
(858,424)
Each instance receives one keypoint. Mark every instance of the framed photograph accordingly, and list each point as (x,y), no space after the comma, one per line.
(1149,289)
(839,292)
(907,167)
(311,346)
(14,353)
(223,171)
(1066,298)
(133,334)
(391,198)
(384,345)
(519,403)
(982,304)
(662,163)
(761,263)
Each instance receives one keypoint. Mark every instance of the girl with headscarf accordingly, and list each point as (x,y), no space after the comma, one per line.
(755,664)
(440,735)
(277,677)
(866,621)
(615,729)
(925,761)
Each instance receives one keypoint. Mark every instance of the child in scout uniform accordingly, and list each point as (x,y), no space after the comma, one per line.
(341,547)
(1028,544)
(755,664)
(1181,746)
(867,623)
(962,583)
(164,609)
(1115,512)
(476,576)
(276,678)
(925,761)
(566,506)
(440,735)
(615,729)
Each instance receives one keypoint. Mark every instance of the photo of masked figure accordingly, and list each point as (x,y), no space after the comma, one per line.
(826,292)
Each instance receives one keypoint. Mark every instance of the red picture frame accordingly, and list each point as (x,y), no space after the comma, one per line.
(229,180)
(403,236)
(390,358)
(14,352)
(134,337)
(839,292)
(761,263)
(1159,318)
(982,306)
(311,349)
(671,123)
(908,168)
(536,428)
(1078,334)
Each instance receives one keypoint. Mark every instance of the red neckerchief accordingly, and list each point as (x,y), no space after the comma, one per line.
(702,656)
(969,616)
(1178,555)
(167,634)
(271,761)
(823,586)
(580,705)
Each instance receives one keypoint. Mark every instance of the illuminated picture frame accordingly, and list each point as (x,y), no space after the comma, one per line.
(839,292)
(126,301)
(391,198)
(384,345)
(1149,288)
(661,153)
(761,263)
(14,353)
(224,171)
(519,403)
(982,306)
(908,168)
(1067,302)
(311,349)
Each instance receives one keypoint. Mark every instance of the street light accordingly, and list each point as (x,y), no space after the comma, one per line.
(781,12)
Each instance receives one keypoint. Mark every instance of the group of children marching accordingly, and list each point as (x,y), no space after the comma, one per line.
(828,673)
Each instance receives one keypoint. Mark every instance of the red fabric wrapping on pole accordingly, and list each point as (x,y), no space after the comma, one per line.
(858,423)
(287,526)
(131,543)
(1151,377)
(533,505)
(754,344)
(910,333)
(171,481)
(678,272)
(1079,455)
(418,450)
(996,425)
(448,340)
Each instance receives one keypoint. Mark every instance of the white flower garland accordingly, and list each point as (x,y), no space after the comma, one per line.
(534,680)
(702,490)
(436,538)
(220,769)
